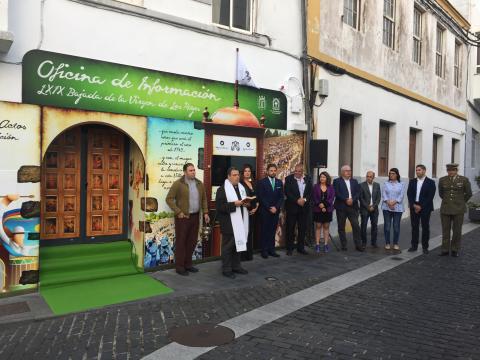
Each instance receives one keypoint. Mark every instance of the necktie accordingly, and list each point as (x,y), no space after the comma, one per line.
(273,183)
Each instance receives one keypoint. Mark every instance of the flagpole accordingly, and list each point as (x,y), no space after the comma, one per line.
(235,103)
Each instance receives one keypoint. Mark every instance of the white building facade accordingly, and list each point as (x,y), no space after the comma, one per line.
(103,102)
(471,10)
(188,37)
(396,77)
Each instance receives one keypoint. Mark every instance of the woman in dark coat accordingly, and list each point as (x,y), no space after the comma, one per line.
(323,197)
(246,179)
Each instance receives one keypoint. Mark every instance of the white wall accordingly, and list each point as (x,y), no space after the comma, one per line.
(373,104)
(82,30)
(471,8)
(364,49)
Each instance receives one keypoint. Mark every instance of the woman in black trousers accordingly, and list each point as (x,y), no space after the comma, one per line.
(246,179)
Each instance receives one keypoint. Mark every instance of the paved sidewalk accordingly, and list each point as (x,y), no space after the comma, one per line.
(427,308)
(136,329)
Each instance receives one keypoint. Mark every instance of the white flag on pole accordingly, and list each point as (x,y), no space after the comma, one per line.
(244,76)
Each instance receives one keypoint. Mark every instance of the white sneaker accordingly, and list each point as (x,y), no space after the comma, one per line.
(387,247)
(396,247)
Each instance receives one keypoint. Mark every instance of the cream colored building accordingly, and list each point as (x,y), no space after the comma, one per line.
(396,72)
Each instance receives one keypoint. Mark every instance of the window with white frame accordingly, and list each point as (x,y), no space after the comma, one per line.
(417,35)
(439,65)
(456,64)
(389,23)
(233,14)
(351,12)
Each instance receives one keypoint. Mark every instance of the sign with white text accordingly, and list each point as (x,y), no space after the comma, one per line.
(73,82)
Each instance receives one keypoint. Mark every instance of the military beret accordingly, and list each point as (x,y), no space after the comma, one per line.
(452,166)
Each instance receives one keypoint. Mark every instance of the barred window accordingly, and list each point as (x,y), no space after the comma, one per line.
(350,12)
(417,36)
(389,23)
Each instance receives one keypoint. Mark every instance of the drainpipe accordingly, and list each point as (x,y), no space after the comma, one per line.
(308,110)
(306,86)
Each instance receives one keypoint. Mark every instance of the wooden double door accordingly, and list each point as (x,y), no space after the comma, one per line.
(83,186)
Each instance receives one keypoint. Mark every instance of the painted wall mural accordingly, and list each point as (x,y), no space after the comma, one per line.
(19,196)
(285,149)
(136,195)
(170,144)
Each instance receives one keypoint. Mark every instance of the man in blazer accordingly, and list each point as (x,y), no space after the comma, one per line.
(420,193)
(298,192)
(347,193)
(370,196)
(271,198)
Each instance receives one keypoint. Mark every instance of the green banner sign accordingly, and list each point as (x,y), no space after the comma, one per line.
(73,82)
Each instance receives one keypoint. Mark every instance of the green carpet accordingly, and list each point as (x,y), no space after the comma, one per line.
(80,277)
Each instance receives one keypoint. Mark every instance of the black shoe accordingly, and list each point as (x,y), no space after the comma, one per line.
(192,269)
(359,248)
(374,246)
(228,274)
(241,271)
(289,252)
(412,249)
(425,251)
(344,248)
(265,256)
(274,254)
(302,251)
(454,254)
(182,272)
(444,253)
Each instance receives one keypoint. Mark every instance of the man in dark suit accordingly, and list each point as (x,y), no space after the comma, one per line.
(420,193)
(229,201)
(347,193)
(370,196)
(271,198)
(298,190)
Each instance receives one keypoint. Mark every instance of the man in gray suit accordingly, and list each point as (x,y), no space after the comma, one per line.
(370,197)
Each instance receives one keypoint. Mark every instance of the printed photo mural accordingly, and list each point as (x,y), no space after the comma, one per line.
(19,196)
(285,149)
(170,144)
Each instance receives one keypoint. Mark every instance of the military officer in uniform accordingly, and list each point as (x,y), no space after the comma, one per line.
(454,190)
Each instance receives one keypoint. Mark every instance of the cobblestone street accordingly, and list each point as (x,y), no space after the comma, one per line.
(425,308)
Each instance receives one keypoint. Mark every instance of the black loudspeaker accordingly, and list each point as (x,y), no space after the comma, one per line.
(318,153)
